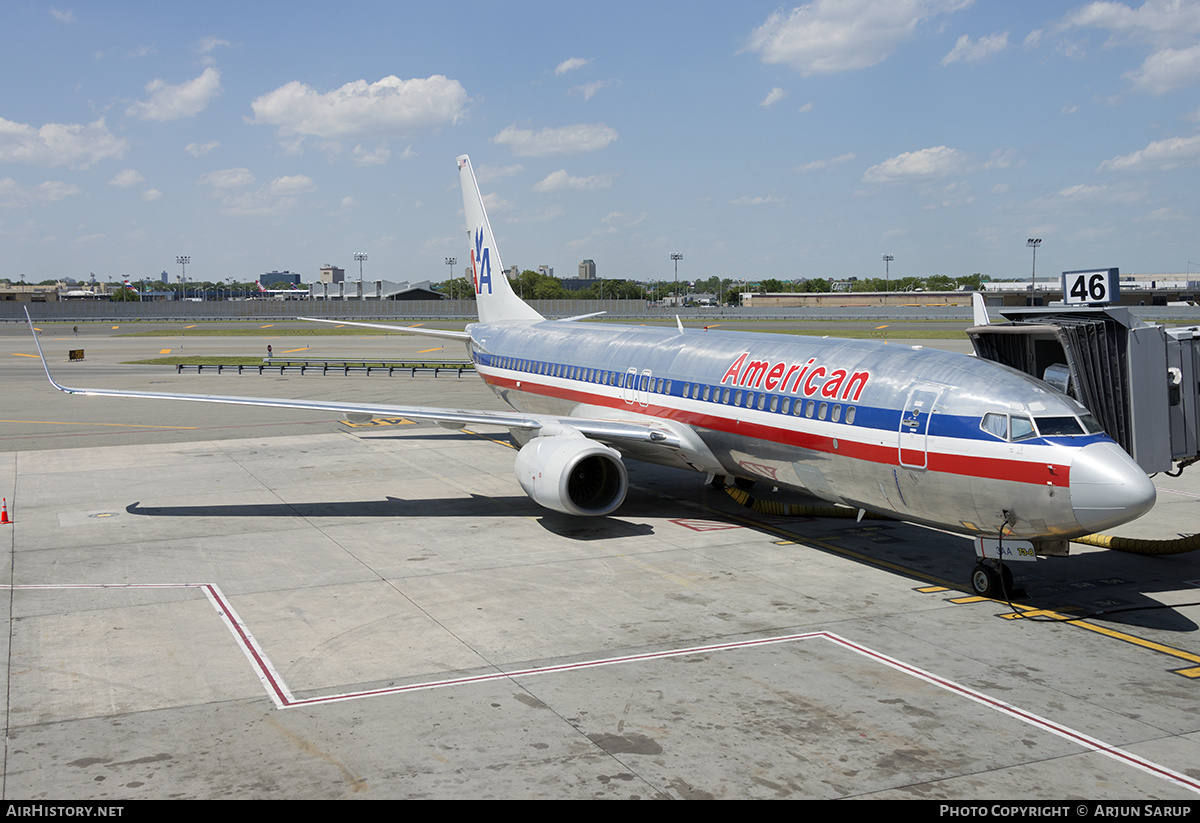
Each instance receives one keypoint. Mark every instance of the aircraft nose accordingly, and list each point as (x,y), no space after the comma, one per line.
(1108,488)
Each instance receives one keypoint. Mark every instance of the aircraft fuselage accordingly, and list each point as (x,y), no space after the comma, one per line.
(926,435)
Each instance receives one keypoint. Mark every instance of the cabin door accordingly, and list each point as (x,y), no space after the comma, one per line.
(914,426)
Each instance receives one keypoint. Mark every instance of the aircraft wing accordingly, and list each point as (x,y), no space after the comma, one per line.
(613,432)
(447,333)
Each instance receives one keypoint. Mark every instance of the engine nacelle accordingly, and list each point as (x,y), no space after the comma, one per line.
(572,474)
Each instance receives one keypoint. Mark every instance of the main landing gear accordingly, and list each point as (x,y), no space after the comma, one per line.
(992,579)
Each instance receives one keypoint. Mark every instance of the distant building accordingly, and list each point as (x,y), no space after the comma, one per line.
(271,277)
(587,270)
(546,270)
(374,290)
(332,274)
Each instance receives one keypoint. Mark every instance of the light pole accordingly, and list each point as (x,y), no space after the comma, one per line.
(360,256)
(1033,243)
(676,256)
(183,260)
(887,273)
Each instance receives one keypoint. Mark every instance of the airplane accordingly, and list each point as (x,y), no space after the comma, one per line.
(926,436)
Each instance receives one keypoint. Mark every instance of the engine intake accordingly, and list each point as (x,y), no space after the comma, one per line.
(572,474)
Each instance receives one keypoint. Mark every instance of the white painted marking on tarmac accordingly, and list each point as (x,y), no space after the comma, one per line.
(279,693)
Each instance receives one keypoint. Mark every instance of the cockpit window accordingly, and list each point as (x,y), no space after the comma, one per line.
(995,424)
(1022,427)
(1052,426)
(1090,423)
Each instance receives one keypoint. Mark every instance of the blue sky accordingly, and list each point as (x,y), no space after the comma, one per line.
(757,140)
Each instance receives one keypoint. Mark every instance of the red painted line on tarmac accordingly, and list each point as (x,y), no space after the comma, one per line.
(282,697)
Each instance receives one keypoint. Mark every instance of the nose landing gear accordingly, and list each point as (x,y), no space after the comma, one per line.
(992,579)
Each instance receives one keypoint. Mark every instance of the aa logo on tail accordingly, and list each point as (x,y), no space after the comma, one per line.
(481,264)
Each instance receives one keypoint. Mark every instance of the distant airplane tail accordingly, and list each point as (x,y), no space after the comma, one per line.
(495,300)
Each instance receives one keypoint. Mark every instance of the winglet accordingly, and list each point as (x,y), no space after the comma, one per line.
(38,343)
(980,307)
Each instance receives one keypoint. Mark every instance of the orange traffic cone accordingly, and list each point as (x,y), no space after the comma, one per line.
(4,512)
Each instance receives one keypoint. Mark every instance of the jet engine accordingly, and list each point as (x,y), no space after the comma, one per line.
(572,474)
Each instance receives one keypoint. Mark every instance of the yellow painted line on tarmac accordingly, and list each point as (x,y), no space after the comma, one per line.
(191,326)
(19,354)
(427,351)
(116,327)
(1021,611)
(164,351)
(289,351)
(117,425)
(378,421)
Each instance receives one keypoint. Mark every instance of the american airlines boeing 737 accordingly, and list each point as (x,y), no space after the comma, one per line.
(927,436)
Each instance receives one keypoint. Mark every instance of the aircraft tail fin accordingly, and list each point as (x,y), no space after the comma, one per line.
(979,307)
(495,300)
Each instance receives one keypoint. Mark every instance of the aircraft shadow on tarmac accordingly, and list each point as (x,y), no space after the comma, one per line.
(1089,584)
(574,528)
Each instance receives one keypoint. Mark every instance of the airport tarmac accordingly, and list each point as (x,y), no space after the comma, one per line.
(222,602)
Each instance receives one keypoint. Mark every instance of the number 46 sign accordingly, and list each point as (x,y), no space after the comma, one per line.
(1090,286)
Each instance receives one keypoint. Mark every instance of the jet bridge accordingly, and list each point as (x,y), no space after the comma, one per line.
(1140,381)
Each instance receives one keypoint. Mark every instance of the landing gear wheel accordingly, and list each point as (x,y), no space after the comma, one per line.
(718,482)
(985,582)
(743,483)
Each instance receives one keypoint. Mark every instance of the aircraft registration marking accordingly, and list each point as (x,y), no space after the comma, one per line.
(283,698)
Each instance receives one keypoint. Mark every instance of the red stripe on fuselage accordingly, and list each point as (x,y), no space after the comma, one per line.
(991,468)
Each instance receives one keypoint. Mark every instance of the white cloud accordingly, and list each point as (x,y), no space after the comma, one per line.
(1161,155)
(938,161)
(560,181)
(127,178)
(201,149)
(168,102)
(575,139)
(390,107)
(818,165)
(1168,27)
(150,195)
(58,144)
(208,44)
(371,157)
(765,199)
(1166,70)
(63,16)
(227,178)
(773,96)
(1157,20)
(828,36)
(489,174)
(15,196)
(969,52)
(588,90)
(569,65)
(280,195)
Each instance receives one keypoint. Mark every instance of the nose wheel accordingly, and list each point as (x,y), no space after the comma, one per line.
(986,581)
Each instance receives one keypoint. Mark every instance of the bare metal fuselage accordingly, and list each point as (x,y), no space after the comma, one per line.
(885,427)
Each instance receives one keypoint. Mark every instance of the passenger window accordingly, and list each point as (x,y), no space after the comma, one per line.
(808,408)
(837,414)
(821,411)
(850,414)
(774,404)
